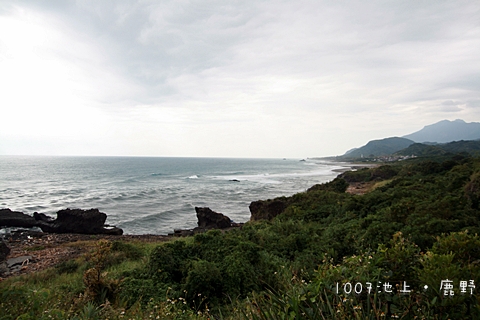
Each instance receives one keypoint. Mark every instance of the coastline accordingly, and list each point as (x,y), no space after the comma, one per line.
(141,267)
(42,250)
(154,195)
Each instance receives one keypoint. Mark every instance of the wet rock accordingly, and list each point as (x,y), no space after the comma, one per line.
(68,221)
(9,218)
(182,233)
(208,219)
(111,230)
(77,221)
(42,217)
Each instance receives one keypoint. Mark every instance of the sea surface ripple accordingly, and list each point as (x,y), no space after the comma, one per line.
(153,195)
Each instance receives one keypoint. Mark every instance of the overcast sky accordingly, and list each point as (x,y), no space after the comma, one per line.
(231,78)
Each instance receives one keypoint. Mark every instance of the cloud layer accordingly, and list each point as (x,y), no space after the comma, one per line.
(239,79)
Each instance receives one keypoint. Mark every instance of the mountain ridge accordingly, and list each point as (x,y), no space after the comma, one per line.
(380,147)
(432,139)
(446,131)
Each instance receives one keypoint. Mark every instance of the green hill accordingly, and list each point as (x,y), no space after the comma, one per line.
(377,148)
(423,150)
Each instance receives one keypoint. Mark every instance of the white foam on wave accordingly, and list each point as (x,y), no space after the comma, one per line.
(263,178)
(193,177)
(276,177)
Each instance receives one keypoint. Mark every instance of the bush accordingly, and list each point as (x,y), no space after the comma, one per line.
(336,185)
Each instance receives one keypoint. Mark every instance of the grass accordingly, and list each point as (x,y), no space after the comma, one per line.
(380,184)
(51,294)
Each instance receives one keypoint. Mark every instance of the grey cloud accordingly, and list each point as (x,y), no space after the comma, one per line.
(473,104)
(450,108)
(355,56)
(449,103)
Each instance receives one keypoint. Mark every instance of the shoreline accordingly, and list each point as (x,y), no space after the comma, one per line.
(42,250)
(156,196)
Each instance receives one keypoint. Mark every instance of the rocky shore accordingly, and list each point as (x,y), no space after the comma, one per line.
(68,221)
(73,234)
(74,231)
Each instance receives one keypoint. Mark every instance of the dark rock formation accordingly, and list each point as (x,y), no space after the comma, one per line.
(208,219)
(68,221)
(9,218)
(267,209)
(76,221)
(42,217)
(183,232)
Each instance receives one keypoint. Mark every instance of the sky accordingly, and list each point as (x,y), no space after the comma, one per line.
(223,78)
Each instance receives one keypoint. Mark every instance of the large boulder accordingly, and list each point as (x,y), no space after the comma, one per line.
(68,221)
(9,218)
(76,221)
(267,209)
(208,219)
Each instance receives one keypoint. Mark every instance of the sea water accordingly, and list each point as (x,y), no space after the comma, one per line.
(153,195)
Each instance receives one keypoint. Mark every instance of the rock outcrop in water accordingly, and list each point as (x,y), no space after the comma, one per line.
(76,221)
(68,221)
(9,218)
(209,219)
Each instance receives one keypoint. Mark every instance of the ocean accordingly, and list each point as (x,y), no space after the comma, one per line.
(153,195)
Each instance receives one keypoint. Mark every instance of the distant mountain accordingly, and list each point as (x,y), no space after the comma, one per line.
(377,148)
(447,131)
(351,150)
(435,139)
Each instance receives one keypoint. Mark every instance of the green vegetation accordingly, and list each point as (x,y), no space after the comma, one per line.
(381,147)
(420,149)
(416,228)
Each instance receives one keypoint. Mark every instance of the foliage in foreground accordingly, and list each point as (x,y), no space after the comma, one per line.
(408,233)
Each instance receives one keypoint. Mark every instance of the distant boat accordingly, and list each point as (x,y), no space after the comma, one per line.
(303,160)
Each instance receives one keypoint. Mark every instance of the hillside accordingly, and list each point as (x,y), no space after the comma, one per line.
(423,150)
(380,147)
(432,140)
